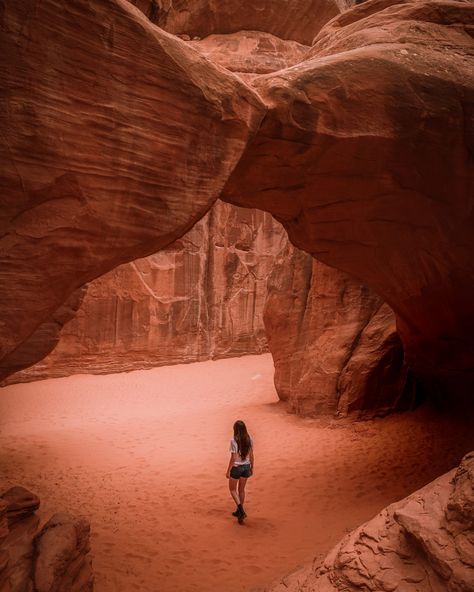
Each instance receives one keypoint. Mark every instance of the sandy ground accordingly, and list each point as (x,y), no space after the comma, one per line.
(143,455)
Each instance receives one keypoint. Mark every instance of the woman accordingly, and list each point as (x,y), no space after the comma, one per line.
(241,467)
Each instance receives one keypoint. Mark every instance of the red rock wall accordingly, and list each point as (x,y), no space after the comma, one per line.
(116,138)
(363,150)
(365,156)
(334,342)
(300,21)
(200,298)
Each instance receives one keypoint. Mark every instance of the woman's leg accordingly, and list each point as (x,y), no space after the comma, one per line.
(242,483)
(233,490)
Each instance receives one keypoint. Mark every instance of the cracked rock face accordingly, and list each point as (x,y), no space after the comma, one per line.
(334,342)
(423,543)
(200,298)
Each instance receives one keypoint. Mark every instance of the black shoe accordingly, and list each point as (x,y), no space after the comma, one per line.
(241,517)
(236,513)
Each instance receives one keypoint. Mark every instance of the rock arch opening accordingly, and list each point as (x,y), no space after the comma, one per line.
(118,137)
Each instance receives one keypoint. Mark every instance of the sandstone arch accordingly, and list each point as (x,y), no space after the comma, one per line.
(116,139)
(341,158)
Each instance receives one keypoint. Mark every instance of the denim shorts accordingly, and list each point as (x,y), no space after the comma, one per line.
(238,471)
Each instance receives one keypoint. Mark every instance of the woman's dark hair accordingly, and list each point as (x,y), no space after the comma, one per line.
(241,436)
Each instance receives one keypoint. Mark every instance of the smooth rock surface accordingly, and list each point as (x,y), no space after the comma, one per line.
(44,338)
(333,341)
(412,546)
(365,156)
(200,298)
(116,139)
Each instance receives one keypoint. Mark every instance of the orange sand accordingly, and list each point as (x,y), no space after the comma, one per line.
(143,455)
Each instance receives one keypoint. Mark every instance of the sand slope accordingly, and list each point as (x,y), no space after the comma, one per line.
(143,455)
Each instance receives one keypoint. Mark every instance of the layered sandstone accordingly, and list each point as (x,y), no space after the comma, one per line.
(424,543)
(116,139)
(299,20)
(251,52)
(200,298)
(334,342)
(365,156)
(55,558)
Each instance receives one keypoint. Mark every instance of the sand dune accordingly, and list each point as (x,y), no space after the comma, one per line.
(143,455)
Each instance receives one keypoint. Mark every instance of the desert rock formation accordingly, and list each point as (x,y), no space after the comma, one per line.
(251,52)
(54,559)
(200,18)
(200,298)
(364,155)
(334,342)
(422,544)
(116,138)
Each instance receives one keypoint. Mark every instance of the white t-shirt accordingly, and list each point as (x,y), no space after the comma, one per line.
(238,459)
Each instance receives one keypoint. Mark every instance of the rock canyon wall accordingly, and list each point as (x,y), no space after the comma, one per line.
(334,342)
(365,156)
(299,21)
(116,138)
(200,298)
(363,150)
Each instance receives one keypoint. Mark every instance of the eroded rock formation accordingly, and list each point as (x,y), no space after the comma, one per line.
(116,139)
(422,544)
(363,150)
(54,559)
(200,298)
(251,52)
(299,21)
(334,342)
(365,156)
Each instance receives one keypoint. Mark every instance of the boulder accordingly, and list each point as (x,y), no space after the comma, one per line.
(414,545)
(53,559)
(21,503)
(62,561)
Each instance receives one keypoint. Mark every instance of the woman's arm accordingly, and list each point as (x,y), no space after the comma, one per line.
(252,459)
(231,463)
